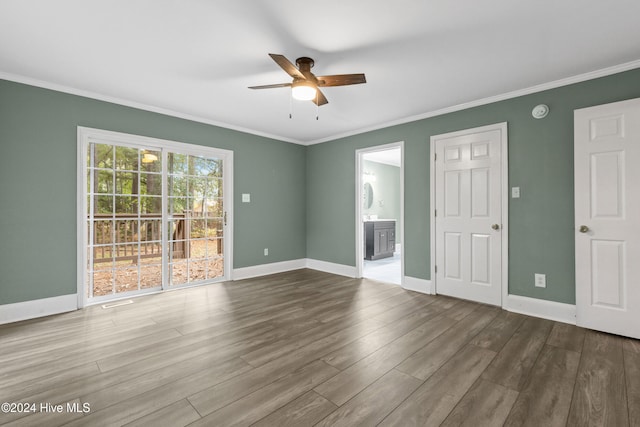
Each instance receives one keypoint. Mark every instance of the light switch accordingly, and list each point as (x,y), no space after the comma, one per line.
(246,198)
(515,192)
(540,280)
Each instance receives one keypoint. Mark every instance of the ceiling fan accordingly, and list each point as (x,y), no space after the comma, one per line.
(305,85)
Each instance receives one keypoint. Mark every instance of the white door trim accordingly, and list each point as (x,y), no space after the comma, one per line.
(358,220)
(503,128)
(85,135)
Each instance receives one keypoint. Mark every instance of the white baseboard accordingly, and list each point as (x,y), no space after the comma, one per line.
(281,267)
(37,308)
(266,269)
(559,312)
(551,310)
(417,285)
(330,267)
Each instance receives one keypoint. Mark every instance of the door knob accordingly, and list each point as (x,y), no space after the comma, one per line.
(496,226)
(583,229)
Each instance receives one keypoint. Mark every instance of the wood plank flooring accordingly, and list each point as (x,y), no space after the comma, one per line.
(307,348)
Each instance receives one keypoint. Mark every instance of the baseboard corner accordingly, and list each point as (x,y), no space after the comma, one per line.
(330,267)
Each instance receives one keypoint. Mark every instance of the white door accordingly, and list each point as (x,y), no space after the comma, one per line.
(468,214)
(607,213)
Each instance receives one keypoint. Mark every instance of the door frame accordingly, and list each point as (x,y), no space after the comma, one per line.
(87,135)
(358,219)
(504,174)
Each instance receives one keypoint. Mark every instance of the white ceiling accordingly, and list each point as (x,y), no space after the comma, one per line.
(195,58)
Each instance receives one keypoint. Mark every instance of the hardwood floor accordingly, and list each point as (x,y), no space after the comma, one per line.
(309,348)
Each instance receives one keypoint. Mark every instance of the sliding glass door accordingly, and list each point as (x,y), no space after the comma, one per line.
(196,218)
(154,215)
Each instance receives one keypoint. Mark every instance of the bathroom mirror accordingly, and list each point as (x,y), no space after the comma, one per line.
(367,195)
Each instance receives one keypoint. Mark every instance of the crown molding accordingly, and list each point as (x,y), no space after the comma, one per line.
(489,100)
(484,101)
(138,105)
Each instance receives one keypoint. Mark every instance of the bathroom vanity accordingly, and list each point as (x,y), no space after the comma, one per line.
(379,238)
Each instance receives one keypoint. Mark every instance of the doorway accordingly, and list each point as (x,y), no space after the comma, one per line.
(380,213)
(469,213)
(153,215)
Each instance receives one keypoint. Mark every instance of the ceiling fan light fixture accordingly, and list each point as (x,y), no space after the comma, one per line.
(304,90)
(306,86)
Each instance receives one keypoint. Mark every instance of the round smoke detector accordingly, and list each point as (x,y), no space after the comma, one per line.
(540,111)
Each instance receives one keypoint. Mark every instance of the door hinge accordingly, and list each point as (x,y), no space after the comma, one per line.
(435,268)
(435,212)
(225,217)
(435,156)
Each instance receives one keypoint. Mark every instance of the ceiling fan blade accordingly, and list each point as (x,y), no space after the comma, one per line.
(287,66)
(321,99)
(341,80)
(271,86)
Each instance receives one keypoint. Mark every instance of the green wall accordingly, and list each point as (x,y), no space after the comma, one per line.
(38,137)
(386,193)
(302,198)
(541,224)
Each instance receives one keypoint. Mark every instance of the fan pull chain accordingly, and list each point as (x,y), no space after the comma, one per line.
(317,106)
(291,105)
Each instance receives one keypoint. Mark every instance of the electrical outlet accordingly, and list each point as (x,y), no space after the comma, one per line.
(515,192)
(540,280)
(266,251)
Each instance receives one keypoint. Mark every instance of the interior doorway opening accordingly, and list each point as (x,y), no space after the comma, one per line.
(379,213)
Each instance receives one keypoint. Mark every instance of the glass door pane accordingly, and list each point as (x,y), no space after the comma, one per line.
(124,220)
(195,218)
